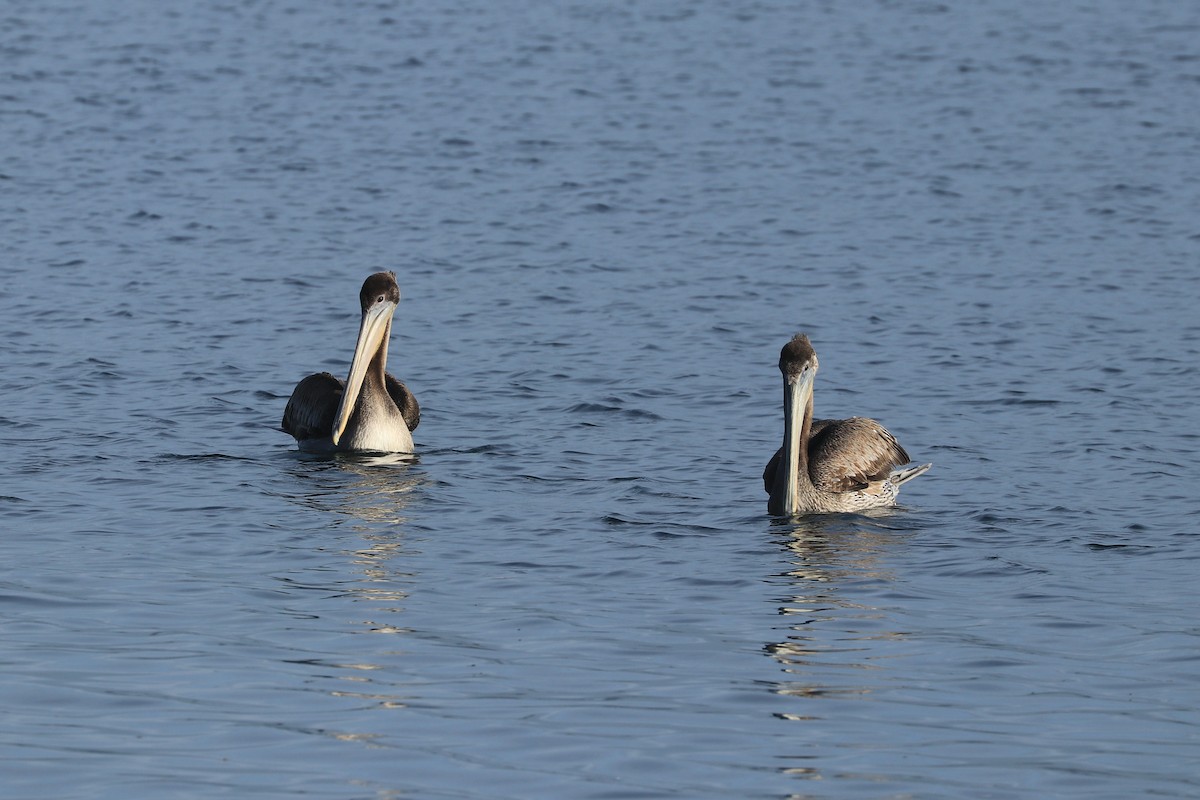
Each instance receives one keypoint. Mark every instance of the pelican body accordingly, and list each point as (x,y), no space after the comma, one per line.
(829,465)
(371,411)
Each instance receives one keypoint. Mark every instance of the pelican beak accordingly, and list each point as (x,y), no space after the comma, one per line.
(797,394)
(372,335)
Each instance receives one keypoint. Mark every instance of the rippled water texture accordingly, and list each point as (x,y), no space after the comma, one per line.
(606,218)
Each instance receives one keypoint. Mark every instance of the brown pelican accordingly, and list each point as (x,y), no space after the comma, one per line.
(829,464)
(372,411)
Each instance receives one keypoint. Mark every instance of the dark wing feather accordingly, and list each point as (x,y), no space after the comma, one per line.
(818,425)
(405,400)
(312,407)
(847,455)
(769,472)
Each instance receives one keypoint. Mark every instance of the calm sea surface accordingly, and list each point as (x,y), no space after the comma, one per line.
(606,218)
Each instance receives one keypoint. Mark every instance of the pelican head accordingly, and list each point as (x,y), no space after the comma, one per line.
(796,356)
(379,297)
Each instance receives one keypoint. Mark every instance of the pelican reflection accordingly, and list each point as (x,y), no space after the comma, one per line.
(832,631)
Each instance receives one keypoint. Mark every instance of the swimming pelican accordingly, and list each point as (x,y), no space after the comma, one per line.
(829,464)
(372,411)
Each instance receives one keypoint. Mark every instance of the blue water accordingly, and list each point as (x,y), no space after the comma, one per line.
(605,220)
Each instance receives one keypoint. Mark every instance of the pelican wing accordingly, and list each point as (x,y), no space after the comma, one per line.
(769,472)
(848,455)
(312,407)
(405,400)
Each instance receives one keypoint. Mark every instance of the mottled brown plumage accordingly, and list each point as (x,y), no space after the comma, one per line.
(848,455)
(835,465)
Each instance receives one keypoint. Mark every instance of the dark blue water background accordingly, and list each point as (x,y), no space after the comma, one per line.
(606,218)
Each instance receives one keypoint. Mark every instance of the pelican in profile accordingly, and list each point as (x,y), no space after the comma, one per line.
(829,465)
(372,411)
